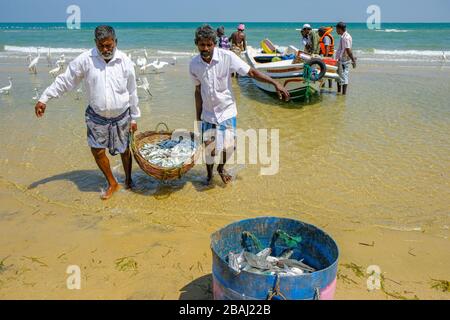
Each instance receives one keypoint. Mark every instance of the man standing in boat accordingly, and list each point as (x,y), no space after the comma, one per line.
(110,82)
(313,36)
(214,99)
(344,56)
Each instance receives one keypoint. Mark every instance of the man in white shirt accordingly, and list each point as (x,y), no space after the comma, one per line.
(110,82)
(214,100)
(344,56)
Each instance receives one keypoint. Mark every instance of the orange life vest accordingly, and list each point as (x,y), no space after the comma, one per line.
(327,33)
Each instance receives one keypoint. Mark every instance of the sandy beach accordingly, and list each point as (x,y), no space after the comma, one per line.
(371,169)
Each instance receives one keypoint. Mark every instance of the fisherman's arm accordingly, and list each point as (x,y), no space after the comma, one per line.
(198,102)
(282,92)
(350,54)
(197,94)
(135,111)
(65,82)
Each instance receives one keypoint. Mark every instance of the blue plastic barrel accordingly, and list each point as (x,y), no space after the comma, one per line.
(317,249)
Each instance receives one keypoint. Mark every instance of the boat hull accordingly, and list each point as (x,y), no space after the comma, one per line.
(285,73)
(296,86)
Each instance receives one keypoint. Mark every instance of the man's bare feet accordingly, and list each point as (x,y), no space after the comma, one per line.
(226,178)
(110,191)
(129,185)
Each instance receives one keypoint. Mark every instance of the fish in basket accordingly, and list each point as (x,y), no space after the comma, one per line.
(164,155)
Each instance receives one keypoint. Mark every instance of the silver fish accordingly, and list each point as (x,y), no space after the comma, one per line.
(169,153)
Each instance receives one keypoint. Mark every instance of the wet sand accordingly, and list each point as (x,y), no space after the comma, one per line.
(369,169)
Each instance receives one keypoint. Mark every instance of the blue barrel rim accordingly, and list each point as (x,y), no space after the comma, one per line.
(281,218)
(319,279)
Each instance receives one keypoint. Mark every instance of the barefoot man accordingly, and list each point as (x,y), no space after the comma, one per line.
(110,82)
(214,100)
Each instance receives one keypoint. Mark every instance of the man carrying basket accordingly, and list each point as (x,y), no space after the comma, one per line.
(110,82)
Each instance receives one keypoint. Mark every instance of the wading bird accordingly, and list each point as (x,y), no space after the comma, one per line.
(49,58)
(7,89)
(144,85)
(33,64)
(56,71)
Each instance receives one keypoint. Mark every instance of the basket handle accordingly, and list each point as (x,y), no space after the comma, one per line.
(162,124)
(133,148)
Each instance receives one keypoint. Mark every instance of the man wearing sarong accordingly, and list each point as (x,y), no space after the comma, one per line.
(214,99)
(110,82)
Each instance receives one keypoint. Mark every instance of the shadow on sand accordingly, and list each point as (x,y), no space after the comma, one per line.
(94,181)
(199,289)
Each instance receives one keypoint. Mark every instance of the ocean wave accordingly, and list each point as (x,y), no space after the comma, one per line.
(402,53)
(42,49)
(427,53)
(396,59)
(392,30)
(175,53)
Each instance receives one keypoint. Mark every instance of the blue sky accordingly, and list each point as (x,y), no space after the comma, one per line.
(224,11)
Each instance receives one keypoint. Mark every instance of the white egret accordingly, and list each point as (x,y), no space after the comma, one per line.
(33,64)
(144,85)
(144,68)
(145,54)
(7,89)
(140,62)
(49,58)
(158,65)
(61,60)
(54,72)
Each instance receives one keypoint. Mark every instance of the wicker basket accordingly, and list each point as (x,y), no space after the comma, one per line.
(159,173)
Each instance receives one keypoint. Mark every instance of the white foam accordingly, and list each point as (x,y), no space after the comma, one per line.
(428,53)
(400,60)
(404,53)
(393,30)
(43,50)
(175,53)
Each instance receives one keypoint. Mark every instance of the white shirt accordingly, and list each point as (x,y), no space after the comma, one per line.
(214,78)
(345,43)
(111,88)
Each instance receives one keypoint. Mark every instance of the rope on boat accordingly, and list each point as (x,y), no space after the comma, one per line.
(307,73)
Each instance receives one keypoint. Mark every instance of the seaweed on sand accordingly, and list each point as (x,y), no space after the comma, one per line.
(126,264)
(441,285)
(357,270)
(3,267)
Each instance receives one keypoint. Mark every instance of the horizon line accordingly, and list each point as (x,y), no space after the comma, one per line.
(362,22)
